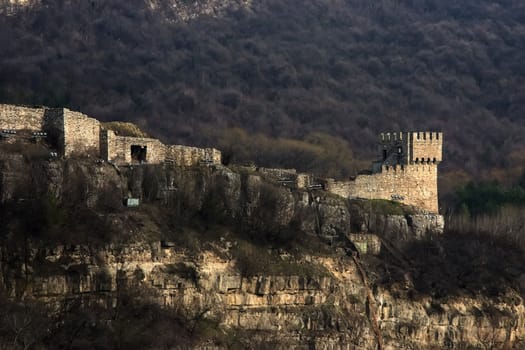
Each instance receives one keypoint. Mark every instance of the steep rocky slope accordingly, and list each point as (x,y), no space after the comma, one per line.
(218,257)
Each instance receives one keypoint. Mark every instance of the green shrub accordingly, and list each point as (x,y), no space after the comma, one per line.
(381,206)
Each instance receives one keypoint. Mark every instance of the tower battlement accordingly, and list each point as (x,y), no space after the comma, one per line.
(425,147)
(410,147)
(427,136)
(389,137)
(405,172)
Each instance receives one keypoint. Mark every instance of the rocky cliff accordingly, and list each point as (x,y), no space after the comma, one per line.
(217,258)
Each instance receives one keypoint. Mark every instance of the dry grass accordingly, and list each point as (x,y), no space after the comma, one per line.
(125,129)
(508,224)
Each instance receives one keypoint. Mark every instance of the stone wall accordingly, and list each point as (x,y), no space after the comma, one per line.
(393,148)
(426,146)
(278,172)
(69,132)
(188,156)
(81,134)
(117,149)
(19,118)
(410,184)
(410,147)
(74,133)
(290,176)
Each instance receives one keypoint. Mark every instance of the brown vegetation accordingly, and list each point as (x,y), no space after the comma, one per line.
(125,129)
(288,70)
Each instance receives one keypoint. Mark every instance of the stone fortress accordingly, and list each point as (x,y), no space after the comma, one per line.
(73,133)
(406,172)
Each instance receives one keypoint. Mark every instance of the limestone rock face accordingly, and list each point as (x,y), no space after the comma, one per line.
(12,174)
(399,228)
(334,218)
(329,300)
(293,309)
(216,191)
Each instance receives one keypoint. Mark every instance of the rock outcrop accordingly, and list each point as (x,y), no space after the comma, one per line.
(266,265)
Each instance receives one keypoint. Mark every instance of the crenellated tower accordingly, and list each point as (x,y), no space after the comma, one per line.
(405,148)
(406,171)
(408,167)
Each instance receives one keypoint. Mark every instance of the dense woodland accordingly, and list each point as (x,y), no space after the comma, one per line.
(299,83)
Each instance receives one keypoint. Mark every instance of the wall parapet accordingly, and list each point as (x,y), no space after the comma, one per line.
(190,156)
(21,117)
(74,133)
(407,171)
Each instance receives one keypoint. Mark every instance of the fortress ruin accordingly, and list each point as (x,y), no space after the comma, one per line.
(406,171)
(73,133)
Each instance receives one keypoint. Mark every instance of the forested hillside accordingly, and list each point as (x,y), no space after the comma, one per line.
(305,83)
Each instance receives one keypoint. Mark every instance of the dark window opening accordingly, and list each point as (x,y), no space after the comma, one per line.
(138,153)
(384,154)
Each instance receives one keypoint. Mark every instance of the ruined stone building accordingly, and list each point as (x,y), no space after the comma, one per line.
(406,172)
(73,133)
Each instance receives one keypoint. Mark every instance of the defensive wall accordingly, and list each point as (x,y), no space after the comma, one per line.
(126,149)
(405,172)
(73,133)
(81,133)
(69,132)
(409,184)
(287,176)
(187,156)
(21,118)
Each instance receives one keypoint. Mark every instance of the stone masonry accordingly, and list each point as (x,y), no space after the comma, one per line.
(21,118)
(407,171)
(75,134)
(81,133)
(187,156)
(117,149)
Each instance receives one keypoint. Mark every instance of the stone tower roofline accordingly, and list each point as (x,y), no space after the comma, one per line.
(410,147)
(387,137)
(427,135)
(406,171)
